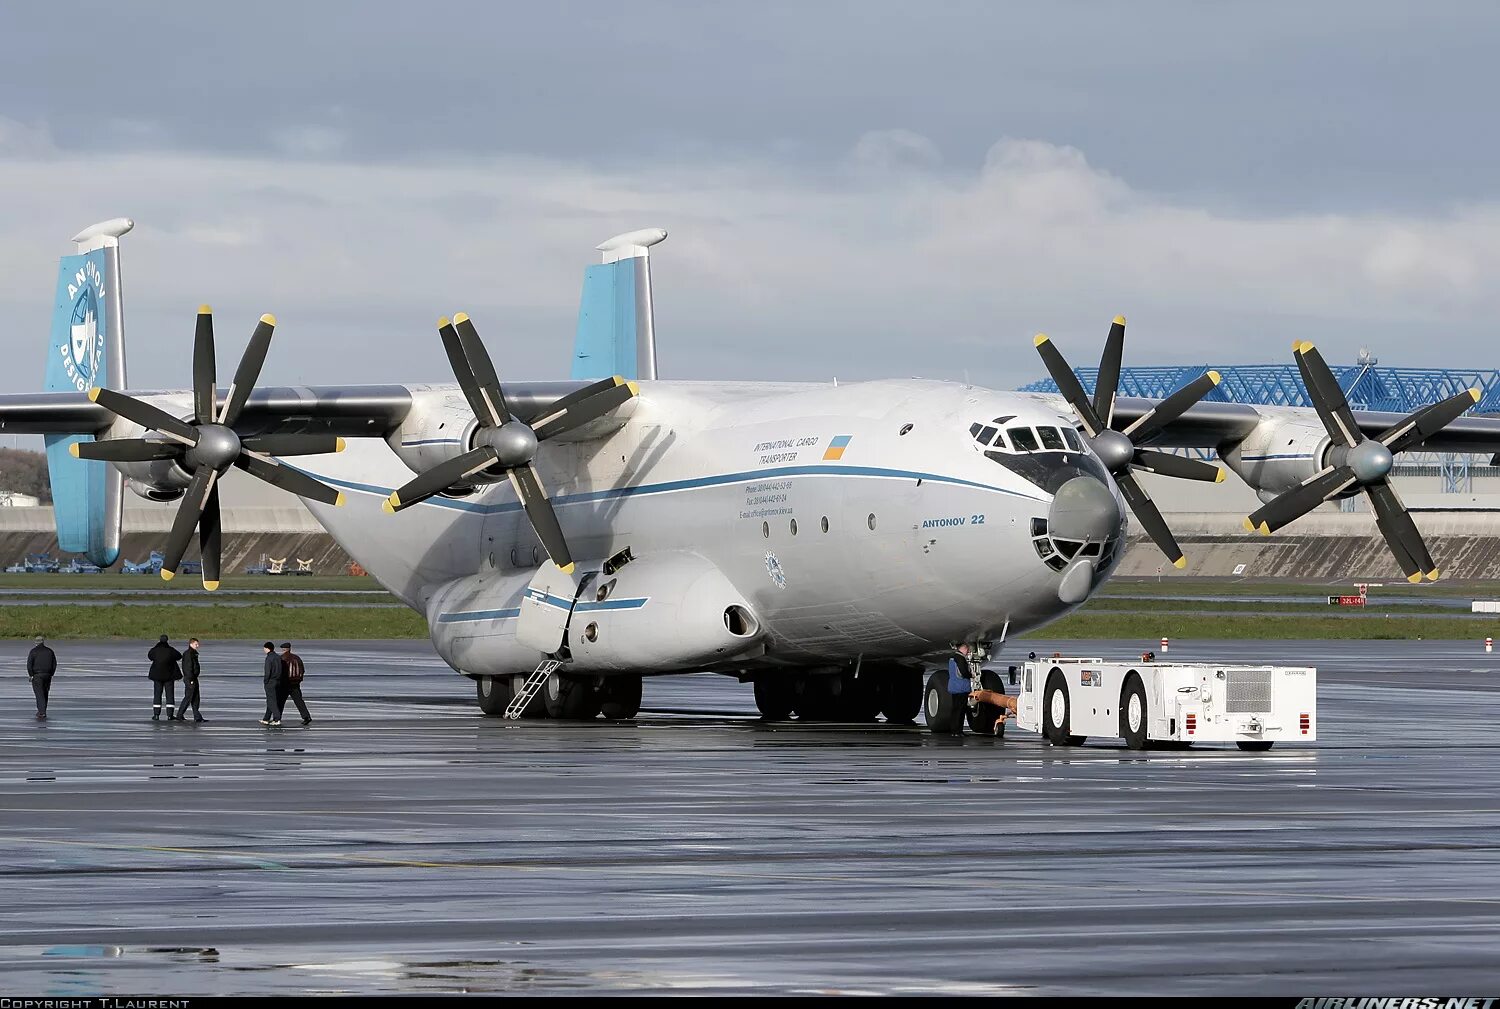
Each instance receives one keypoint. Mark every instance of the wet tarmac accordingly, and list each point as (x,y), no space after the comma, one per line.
(404,844)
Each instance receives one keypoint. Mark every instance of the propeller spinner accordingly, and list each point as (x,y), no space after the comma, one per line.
(1120,448)
(504,443)
(208,445)
(1357,462)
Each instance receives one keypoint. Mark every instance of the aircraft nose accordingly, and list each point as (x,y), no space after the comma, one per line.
(1084,509)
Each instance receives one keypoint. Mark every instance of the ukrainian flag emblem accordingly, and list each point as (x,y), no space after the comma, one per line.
(836,446)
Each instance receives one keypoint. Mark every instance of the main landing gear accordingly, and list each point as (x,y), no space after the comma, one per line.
(876,689)
(570,698)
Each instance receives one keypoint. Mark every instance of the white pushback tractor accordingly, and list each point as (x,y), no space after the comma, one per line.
(1068,700)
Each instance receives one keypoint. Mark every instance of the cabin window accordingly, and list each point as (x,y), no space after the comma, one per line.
(871,522)
(765,529)
(793,526)
(825,523)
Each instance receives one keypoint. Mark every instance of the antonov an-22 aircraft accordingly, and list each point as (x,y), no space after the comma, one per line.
(824,541)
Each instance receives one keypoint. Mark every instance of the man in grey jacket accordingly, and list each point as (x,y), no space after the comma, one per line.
(41,663)
(271,680)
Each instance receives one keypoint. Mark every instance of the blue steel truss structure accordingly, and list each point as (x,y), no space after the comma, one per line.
(1366,386)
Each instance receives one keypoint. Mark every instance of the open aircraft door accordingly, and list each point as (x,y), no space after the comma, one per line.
(546,606)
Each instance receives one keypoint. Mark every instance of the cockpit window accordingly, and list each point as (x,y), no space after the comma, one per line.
(1023,439)
(1071,437)
(1051,438)
(1000,441)
(986,435)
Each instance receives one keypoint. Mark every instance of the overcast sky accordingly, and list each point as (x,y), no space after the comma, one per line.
(860,190)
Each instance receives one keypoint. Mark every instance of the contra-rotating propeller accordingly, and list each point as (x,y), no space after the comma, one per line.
(1354,461)
(1120,448)
(208,445)
(504,443)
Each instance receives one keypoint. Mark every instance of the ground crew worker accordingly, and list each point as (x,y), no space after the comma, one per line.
(190,671)
(291,681)
(164,676)
(41,663)
(271,680)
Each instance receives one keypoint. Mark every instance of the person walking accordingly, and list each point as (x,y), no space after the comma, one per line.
(41,663)
(190,672)
(291,681)
(271,672)
(164,676)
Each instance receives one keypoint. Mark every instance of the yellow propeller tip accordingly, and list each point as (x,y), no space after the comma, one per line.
(338,502)
(205,310)
(1219,475)
(569,569)
(94,394)
(1297,345)
(444,322)
(1119,320)
(1432,575)
(210,586)
(635,388)
(1476,393)
(73,449)
(1307,347)
(1180,562)
(387,507)
(619,380)
(1039,339)
(1414,577)
(1265,528)
(339,444)
(1215,377)
(268,319)
(167,574)
(460,318)
(1249,526)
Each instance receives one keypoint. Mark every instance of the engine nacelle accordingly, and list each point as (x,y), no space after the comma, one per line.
(162,480)
(1282,451)
(662,611)
(438,427)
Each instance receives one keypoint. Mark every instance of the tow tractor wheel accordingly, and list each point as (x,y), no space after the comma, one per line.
(570,699)
(1256,745)
(982,717)
(944,711)
(494,694)
(901,692)
(620,697)
(1057,714)
(775,696)
(1133,713)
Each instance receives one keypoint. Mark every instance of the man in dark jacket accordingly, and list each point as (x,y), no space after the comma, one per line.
(271,680)
(40,665)
(164,676)
(190,670)
(291,682)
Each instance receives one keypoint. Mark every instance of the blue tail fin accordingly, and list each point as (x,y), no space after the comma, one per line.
(615,334)
(87,349)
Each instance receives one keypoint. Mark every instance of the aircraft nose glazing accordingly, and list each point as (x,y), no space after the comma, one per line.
(1084,509)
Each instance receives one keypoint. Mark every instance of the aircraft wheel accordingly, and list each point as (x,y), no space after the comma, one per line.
(818,700)
(901,692)
(1256,745)
(859,697)
(944,711)
(620,697)
(1133,713)
(775,696)
(493,693)
(982,717)
(570,699)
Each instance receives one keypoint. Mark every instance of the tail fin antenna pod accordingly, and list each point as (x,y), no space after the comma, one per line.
(87,349)
(615,329)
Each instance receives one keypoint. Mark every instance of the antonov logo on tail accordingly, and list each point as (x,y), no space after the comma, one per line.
(82,359)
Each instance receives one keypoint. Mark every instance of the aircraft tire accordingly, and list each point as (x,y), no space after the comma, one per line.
(981,717)
(493,694)
(1255,745)
(570,699)
(775,696)
(859,696)
(818,700)
(901,691)
(620,697)
(1134,713)
(944,711)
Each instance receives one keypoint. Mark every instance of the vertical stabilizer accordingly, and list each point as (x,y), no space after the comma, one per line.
(615,332)
(87,349)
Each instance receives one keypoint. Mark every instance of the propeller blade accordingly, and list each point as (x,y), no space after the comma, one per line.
(294,444)
(1428,421)
(1400,532)
(1179,466)
(1108,383)
(211,539)
(248,372)
(1150,518)
(459,363)
(577,409)
(1172,407)
(144,414)
(288,479)
(188,513)
(1327,397)
(1300,500)
(204,375)
(438,479)
(496,411)
(126,450)
(543,518)
(1068,384)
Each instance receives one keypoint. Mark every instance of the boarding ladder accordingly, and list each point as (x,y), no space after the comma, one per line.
(530,687)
